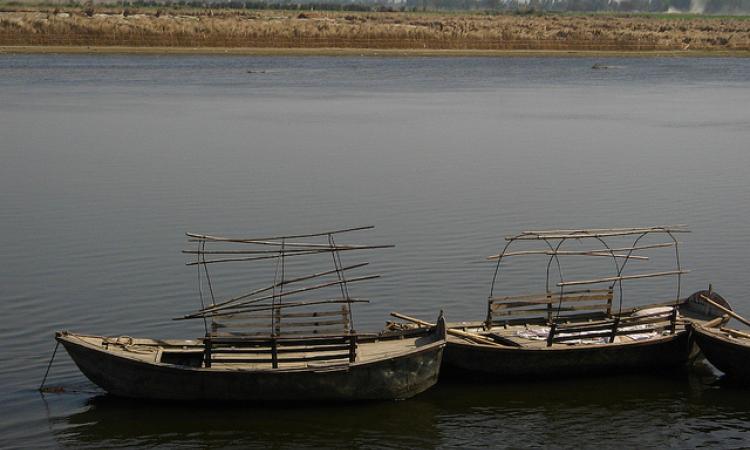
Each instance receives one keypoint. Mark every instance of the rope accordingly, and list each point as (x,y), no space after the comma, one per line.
(44,380)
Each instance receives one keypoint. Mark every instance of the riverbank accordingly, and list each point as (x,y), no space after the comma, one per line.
(262,32)
(254,51)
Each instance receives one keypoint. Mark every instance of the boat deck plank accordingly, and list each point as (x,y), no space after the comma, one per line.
(510,332)
(149,350)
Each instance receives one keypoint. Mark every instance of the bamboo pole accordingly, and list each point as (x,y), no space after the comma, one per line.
(273,307)
(254,258)
(279,284)
(247,252)
(566,253)
(274,238)
(605,251)
(735,333)
(715,322)
(307,245)
(201,238)
(603,229)
(279,254)
(581,234)
(471,336)
(725,310)
(624,277)
(284,294)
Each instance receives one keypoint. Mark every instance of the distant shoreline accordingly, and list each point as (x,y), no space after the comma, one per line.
(269,32)
(253,51)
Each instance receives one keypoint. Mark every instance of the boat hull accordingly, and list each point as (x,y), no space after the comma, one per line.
(395,377)
(501,363)
(732,358)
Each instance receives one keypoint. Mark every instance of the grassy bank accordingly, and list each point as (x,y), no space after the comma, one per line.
(241,29)
(392,52)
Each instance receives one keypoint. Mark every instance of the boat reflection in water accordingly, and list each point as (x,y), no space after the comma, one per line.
(575,412)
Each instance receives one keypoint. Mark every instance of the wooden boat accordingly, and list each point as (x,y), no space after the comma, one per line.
(268,344)
(728,349)
(573,331)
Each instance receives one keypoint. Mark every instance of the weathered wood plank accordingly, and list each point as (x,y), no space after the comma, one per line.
(649,320)
(257,340)
(311,314)
(551,300)
(554,309)
(621,332)
(276,238)
(550,294)
(623,277)
(725,310)
(592,335)
(283,325)
(460,333)
(280,359)
(583,328)
(268,350)
(735,333)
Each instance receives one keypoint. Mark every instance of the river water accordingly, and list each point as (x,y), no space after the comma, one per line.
(105,162)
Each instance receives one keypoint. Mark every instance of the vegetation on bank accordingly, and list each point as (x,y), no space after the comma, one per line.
(208,27)
(713,7)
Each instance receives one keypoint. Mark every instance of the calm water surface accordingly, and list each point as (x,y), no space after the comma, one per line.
(105,161)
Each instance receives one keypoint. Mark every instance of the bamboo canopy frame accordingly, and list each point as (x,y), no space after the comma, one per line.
(272,299)
(555,239)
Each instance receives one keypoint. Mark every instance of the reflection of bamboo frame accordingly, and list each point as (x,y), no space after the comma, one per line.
(554,239)
(243,309)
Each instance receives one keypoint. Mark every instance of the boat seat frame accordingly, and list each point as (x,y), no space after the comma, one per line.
(231,349)
(612,327)
(549,307)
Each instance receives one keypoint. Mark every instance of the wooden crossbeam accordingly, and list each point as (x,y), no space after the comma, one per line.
(593,233)
(624,277)
(276,238)
(232,300)
(596,252)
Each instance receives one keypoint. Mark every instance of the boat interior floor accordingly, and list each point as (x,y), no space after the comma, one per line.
(533,335)
(154,351)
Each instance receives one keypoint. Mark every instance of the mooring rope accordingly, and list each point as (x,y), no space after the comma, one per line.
(44,380)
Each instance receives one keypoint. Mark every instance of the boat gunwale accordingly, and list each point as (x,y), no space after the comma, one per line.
(568,347)
(685,321)
(75,339)
(719,336)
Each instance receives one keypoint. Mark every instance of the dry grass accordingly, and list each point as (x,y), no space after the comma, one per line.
(285,29)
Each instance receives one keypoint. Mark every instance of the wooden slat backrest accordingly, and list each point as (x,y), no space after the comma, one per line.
(659,322)
(547,306)
(224,348)
(284,323)
(574,331)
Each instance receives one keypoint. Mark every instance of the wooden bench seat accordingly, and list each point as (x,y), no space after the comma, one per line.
(228,349)
(610,328)
(544,308)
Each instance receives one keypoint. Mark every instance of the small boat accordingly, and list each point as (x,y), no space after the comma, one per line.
(268,344)
(574,329)
(728,349)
